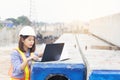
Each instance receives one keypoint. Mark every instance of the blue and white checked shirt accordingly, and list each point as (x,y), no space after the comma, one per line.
(16,61)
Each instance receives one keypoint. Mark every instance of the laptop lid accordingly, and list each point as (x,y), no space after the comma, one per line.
(52,52)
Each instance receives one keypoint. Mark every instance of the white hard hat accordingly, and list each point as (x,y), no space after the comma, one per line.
(27,30)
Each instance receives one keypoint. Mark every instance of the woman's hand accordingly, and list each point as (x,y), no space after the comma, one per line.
(33,57)
(40,54)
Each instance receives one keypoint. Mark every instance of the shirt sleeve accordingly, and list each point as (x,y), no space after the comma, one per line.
(16,62)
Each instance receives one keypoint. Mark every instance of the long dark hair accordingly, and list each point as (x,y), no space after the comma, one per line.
(21,44)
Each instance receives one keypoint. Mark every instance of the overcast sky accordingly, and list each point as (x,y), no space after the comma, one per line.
(59,10)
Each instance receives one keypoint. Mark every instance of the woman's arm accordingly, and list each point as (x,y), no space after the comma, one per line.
(24,63)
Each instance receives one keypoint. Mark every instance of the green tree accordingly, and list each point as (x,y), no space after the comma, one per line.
(1,25)
(23,20)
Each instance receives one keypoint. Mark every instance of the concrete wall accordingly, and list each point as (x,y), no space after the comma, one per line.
(8,36)
(107,28)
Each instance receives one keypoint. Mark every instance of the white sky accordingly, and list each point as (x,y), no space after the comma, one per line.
(59,10)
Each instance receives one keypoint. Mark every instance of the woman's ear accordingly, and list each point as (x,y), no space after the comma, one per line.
(22,40)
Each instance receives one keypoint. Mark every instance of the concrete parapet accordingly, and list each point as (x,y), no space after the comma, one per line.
(101,64)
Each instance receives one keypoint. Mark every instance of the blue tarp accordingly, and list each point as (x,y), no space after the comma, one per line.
(9,24)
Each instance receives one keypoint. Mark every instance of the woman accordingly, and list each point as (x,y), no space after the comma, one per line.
(21,57)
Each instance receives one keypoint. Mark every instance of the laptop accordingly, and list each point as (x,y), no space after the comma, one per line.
(52,52)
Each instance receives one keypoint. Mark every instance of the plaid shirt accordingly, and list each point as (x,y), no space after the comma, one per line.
(16,61)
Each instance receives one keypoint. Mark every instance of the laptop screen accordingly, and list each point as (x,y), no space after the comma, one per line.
(52,52)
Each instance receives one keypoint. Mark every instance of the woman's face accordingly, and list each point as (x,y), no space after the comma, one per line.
(29,41)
